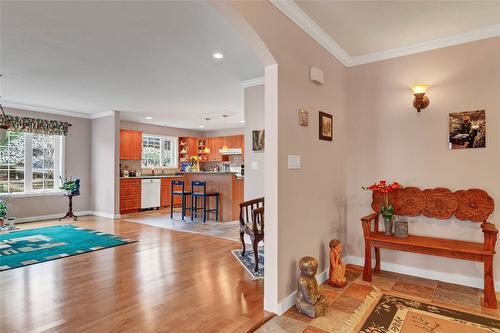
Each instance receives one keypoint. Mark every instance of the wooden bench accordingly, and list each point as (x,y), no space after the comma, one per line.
(473,205)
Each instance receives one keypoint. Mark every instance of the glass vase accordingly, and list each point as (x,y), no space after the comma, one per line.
(388,226)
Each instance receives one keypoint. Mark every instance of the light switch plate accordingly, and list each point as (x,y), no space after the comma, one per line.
(254,165)
(294,162)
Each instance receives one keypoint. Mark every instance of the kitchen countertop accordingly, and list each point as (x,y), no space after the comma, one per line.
(210,172)
(150,176)
(238,176)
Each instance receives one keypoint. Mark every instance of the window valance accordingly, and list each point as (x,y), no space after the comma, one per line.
(35,125)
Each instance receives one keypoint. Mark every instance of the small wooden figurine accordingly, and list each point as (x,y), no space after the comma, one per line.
(309,301)
(337,270)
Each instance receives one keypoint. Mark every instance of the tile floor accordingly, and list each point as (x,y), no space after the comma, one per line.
(161,218)
(344,301)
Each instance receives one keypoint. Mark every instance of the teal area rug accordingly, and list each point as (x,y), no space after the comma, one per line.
(33,246)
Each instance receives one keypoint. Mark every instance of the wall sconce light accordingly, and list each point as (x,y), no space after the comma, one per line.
(421,101)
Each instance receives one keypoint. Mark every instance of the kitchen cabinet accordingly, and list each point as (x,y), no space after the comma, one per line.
(187,148)
(215,144)
(193,146)
(130,145)
(130,195)
(166,188)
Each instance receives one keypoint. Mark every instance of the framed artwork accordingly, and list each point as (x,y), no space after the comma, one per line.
(258,140)
(303,117)
(467,130)
(325,126)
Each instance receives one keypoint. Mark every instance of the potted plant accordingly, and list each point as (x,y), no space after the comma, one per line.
(387,210)
(70,187)
(3,211)
(195,163)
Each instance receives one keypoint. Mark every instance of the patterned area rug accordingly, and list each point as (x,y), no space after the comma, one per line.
(382,313)
(33,246)
(248,262)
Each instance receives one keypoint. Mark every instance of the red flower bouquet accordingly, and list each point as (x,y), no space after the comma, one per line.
(387,210)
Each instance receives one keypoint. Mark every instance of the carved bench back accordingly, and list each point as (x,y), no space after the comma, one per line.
(467,205)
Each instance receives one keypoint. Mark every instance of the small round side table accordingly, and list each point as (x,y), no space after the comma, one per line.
(70,208)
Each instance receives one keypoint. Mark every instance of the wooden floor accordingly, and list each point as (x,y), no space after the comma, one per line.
(168,281)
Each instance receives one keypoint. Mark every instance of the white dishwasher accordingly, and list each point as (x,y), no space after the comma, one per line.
(150,193)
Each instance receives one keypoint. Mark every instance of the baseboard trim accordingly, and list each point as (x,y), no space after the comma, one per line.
(48,217)
(106,215)
(289,301)
(57,216)
(425,273)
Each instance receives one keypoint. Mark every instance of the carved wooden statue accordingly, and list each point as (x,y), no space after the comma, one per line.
(337,270)
(309,301)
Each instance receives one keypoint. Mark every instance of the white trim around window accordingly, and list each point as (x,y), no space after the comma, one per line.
(59,165)
(175,151)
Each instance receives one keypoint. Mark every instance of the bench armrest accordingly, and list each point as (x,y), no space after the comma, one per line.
(366,223)
(490,235)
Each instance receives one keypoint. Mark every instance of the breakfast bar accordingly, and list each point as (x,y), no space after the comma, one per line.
(229,187)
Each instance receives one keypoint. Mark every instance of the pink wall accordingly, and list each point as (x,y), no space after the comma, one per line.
(312,200)
(159,130)
(77,164)
(389,139)
(104,165)
(254,120)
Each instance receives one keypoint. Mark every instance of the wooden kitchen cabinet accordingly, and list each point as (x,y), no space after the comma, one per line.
(130,145)
(215,144)
(166,192)
(130,195)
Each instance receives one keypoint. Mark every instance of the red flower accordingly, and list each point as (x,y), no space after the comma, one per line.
(383,187)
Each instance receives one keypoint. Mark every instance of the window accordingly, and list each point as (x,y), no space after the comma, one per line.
(30,163)
(159,151)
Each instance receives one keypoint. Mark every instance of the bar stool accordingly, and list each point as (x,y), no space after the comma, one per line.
(182,193)
(195,194)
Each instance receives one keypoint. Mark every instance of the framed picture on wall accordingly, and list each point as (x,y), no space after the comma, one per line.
(467,130)
(258,140)
(325,126)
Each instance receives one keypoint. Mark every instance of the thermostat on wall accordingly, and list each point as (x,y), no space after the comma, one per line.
(317,76)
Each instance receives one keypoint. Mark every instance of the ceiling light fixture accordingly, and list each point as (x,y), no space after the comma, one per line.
(148,118)
(242,121)
(218,55)
(202,126)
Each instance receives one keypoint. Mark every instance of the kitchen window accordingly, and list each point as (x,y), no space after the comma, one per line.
(30,163)
(159,151)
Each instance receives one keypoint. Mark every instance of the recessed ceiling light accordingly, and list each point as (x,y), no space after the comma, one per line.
(202,126)
(148,118)
(218,55)
(242,121)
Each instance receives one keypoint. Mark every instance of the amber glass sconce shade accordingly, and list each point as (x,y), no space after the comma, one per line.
(421,101)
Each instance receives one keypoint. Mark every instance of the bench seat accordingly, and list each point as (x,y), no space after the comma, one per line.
(474,205)
(433,246)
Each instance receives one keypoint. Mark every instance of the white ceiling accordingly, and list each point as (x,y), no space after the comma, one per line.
(365,31)
(141,58)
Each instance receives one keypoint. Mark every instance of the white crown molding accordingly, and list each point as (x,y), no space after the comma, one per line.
(438,43)
(101,114)
(27,107)
(253,82)
(306,23)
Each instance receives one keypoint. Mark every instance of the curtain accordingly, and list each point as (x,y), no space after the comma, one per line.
(35,125)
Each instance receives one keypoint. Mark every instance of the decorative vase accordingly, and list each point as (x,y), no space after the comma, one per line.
(388,226)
